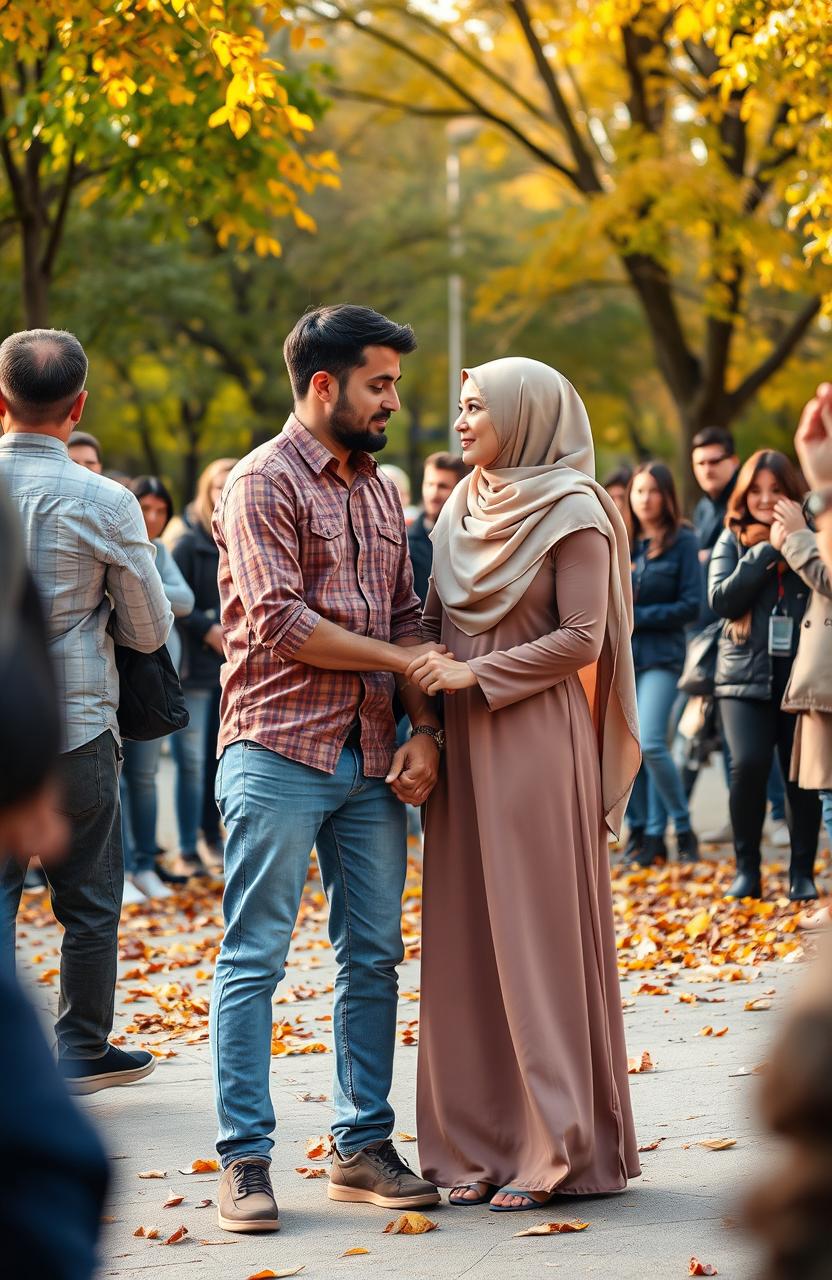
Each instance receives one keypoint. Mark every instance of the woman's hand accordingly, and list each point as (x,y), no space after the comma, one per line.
(440,673)
(813,441)
(788,518)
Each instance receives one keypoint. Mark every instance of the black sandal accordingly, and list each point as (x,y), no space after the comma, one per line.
(463,1203)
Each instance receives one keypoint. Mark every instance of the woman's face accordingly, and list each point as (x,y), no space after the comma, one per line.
(475,429)
(763,493)
(646,500)
(155,511)
(218,484)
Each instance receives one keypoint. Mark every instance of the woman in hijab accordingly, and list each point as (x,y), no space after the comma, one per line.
(522,1087)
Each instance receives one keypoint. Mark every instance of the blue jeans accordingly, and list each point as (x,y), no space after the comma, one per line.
(275,810)
(826,810)
(658,790)
(138,803)
(188,748)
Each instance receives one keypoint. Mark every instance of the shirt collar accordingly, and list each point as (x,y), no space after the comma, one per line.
(33,440)
(316,455)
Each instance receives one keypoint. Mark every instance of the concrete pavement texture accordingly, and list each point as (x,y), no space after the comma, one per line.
(683,972)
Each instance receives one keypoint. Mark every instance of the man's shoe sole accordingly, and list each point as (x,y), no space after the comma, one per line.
(109,1079)
(358,1195)
(260,1224)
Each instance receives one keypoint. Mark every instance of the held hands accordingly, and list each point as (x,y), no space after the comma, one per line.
(440,673)
(788,518)
(813,440)
(414,770)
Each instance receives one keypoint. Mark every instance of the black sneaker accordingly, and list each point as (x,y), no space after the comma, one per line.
(653,850)
(377,1175)
(687,846)
(88,1075)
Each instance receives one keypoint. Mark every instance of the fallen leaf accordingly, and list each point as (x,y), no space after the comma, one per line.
(749,1071)
(718,1144)
(406,1137)
(697,1268)
(410,1224)
(706,1031)
(312,1173)
(148,1233)
(554,1228)
(153,1173)
(173,1200)
(202,1166)
(311,1097)
(268,1274)
(107,1218)
(636,1066)
(353,1253)
(723,1031)
(320,1148)
(203,1204)
(756,1006)
(179,1234)
(48,975)
(651,1146)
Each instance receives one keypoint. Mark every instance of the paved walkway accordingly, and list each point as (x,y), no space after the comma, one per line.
(700,1089)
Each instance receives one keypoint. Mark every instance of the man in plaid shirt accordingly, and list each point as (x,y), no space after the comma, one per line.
(94,568)
(319,616)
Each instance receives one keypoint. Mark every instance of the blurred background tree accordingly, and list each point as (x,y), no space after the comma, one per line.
(639,206)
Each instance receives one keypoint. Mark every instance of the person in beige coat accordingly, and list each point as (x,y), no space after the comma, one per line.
(809,691)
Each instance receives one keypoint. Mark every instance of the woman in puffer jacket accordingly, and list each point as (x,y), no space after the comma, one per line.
(763,600)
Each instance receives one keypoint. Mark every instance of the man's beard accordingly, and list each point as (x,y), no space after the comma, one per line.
(346,431)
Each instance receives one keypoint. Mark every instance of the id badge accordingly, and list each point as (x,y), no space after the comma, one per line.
(780,635)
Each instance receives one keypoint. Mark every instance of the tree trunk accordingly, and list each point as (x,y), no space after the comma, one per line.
(35,280)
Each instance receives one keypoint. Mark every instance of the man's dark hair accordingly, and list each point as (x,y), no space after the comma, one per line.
(42,373)
(714,435)
(84,437)
(448,462)
(334,338)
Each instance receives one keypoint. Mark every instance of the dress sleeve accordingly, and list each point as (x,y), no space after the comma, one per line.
(432,616)
(582,568)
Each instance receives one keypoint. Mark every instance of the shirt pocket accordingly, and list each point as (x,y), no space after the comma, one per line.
(389,551)
(324,546)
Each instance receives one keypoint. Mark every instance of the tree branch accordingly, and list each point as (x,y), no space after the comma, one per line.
(12,172)
(781,351)
(476,107)
(408,108)
(585,177)
(59,221)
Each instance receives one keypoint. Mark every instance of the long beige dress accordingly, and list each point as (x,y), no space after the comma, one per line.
(522,1067)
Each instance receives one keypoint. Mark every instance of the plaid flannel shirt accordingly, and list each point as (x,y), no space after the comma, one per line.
(296,545)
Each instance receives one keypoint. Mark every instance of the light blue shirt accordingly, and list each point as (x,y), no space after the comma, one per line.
(91,559)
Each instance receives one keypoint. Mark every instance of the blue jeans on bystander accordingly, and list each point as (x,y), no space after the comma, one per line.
(188,748)
(138,803)
(658,791)
(274,810)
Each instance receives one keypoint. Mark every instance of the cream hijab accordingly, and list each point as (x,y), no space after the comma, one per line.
(500,522)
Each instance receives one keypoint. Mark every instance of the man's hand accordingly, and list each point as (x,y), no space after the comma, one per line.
(813,440)
(440,673)
(35,827)
(213,639)
(415,769)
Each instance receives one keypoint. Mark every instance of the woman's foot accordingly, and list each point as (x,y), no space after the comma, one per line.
(653,850)
(518,1199)
(471,1193)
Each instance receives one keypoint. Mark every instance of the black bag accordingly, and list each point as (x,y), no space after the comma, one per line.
(151,703)
(697,678)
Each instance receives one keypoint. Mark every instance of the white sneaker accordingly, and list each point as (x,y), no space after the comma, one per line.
(150,884)
(779,835)
(723,835)
(132,895)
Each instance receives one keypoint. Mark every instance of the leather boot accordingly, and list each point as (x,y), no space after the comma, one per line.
(633,847)
(746,883)
(653,850)
(687,846)
(802,886)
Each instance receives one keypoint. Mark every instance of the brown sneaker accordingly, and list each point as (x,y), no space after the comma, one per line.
(378,1175)
(246,1199)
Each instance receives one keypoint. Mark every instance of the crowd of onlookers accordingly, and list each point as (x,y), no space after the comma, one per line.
(726,659)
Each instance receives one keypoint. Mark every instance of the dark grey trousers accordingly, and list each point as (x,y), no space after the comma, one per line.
(86,888)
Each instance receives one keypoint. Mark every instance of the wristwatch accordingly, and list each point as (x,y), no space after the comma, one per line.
(438,735)
(818,503)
